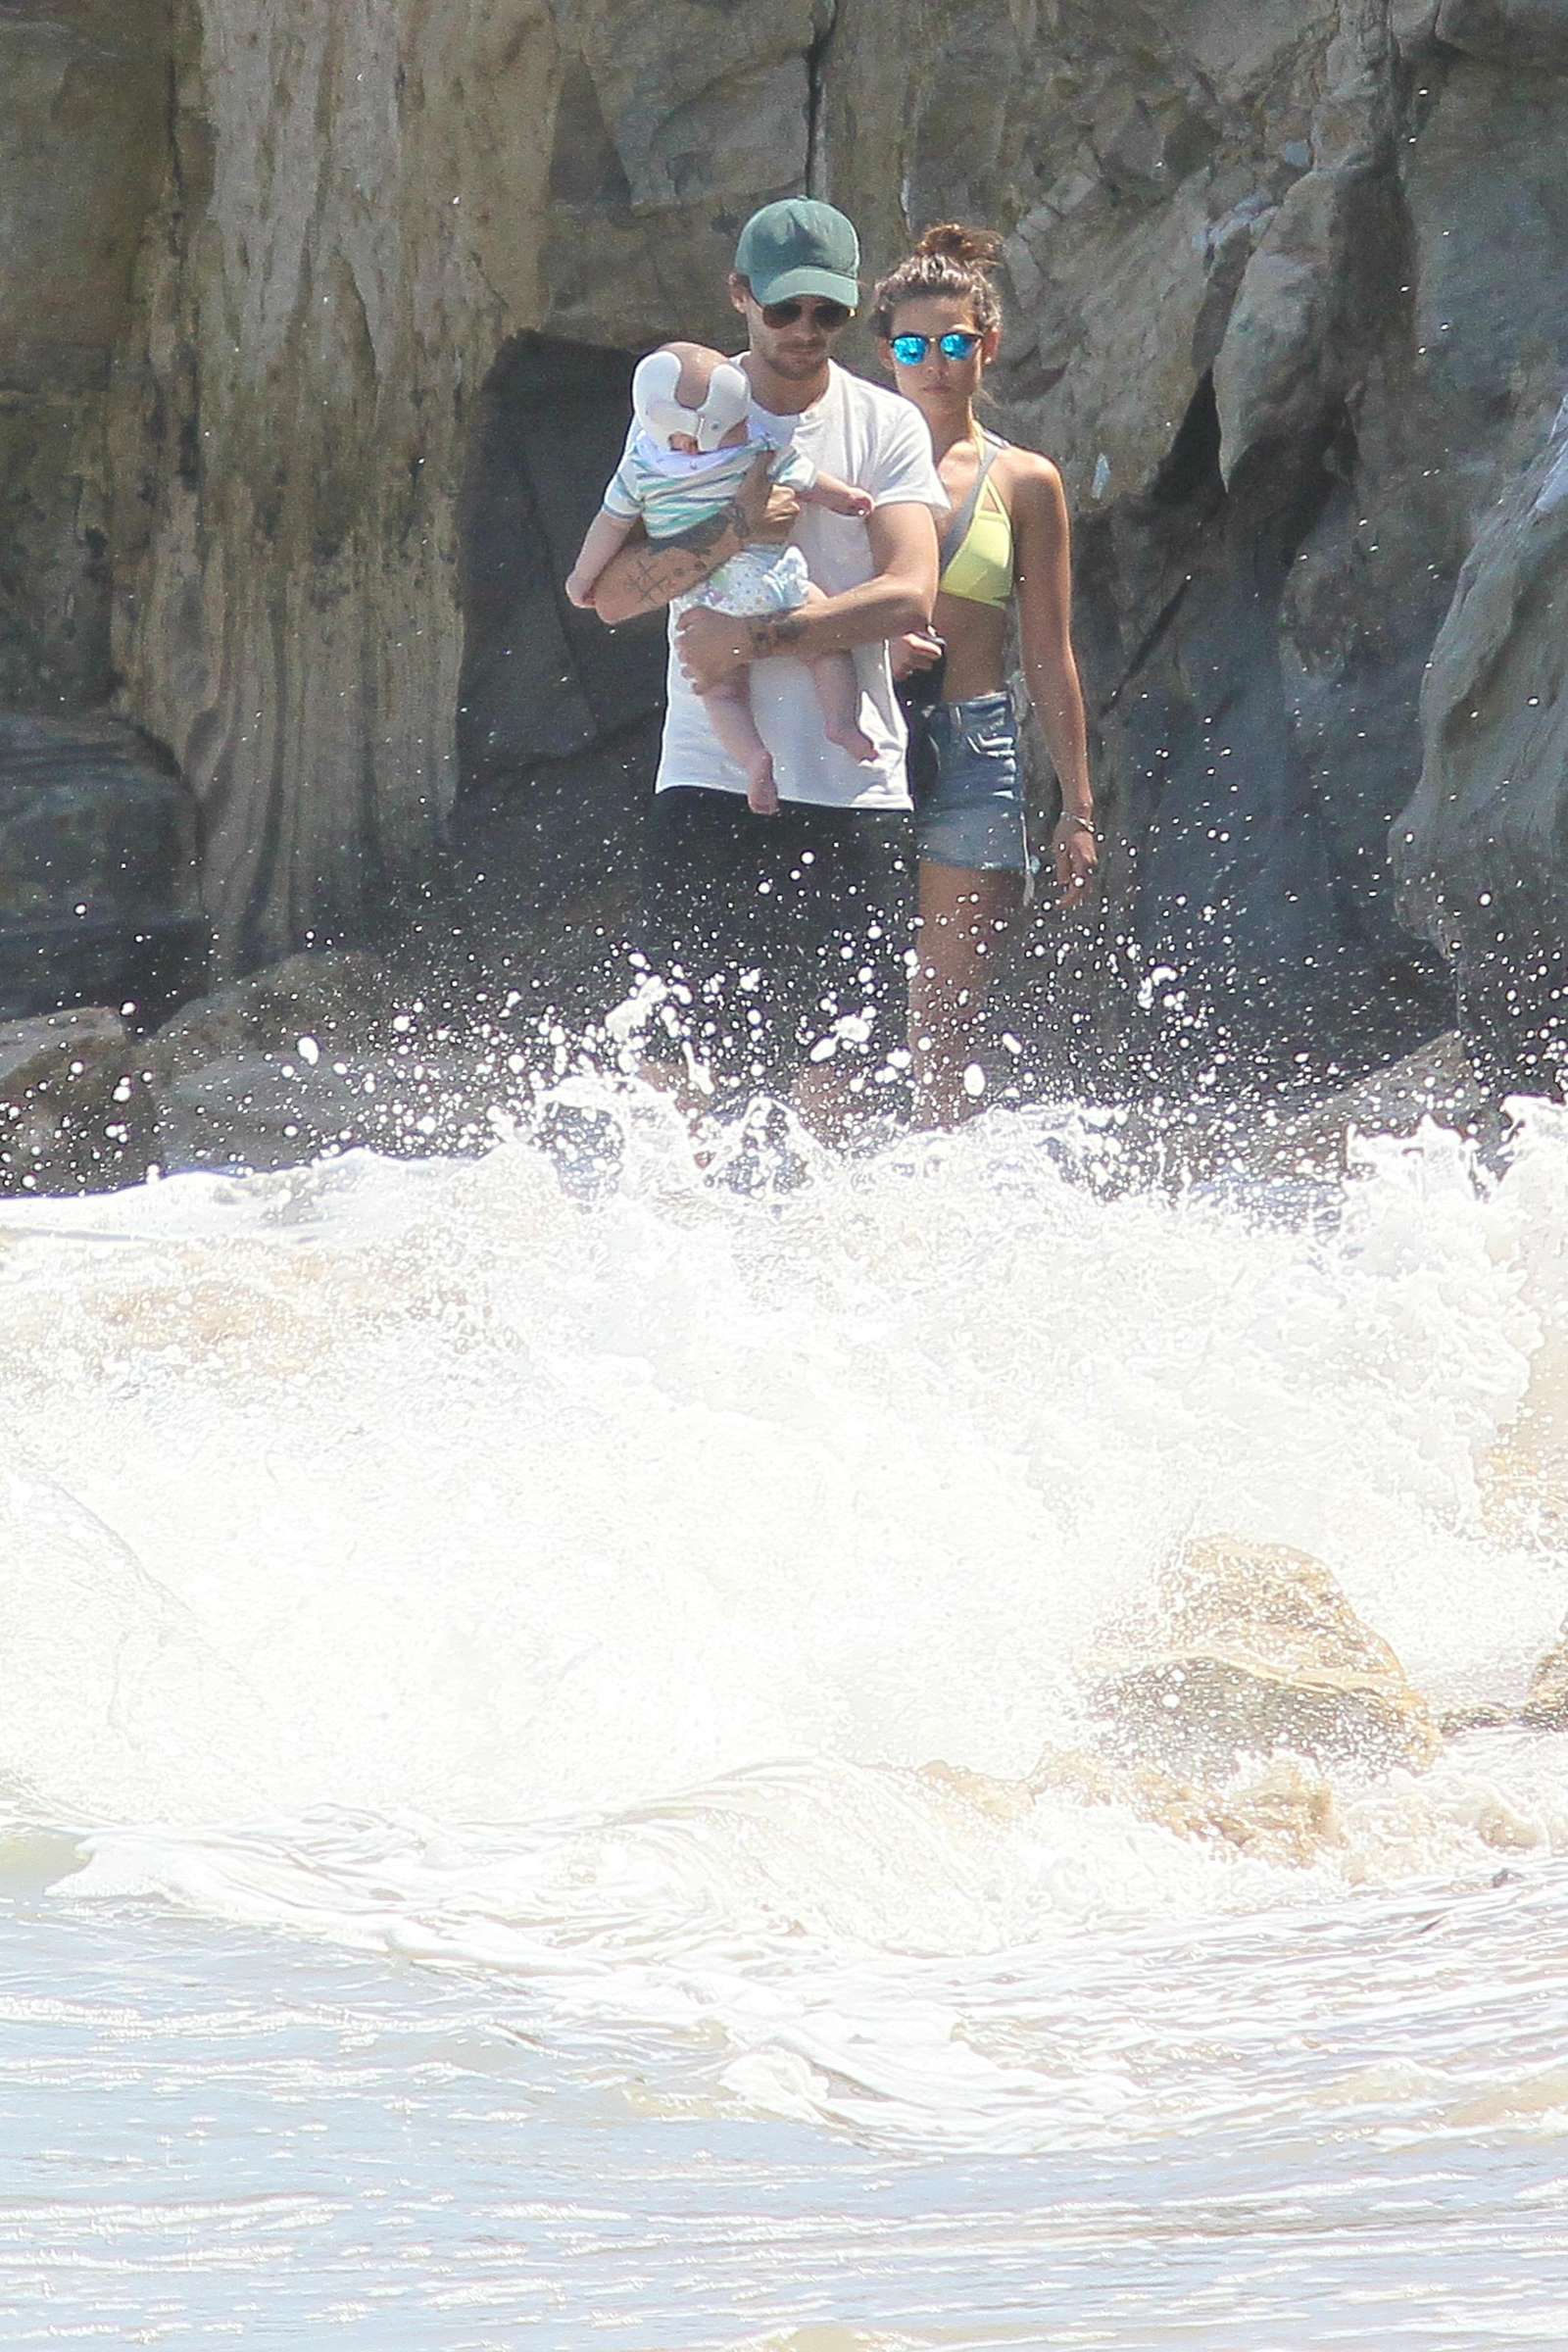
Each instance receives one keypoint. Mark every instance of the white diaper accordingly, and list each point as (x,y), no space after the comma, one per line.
(758,581)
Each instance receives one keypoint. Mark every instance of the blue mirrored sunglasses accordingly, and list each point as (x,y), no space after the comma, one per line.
(959,343)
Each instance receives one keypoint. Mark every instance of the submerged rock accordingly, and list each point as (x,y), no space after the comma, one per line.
(1547,1707)
(1544,1707)
(1258,1651)
(1281,1814)
(1284,1814)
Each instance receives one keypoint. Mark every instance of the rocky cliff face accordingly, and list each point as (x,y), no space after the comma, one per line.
(97,832)
(1287,302)
(1483,848)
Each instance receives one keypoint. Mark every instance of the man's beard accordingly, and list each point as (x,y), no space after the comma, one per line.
(794,362)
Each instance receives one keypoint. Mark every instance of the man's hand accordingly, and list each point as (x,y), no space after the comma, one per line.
(712,648)
(918,651)
(1075,854)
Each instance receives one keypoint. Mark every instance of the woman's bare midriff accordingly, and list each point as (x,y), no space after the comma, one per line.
(975,635)
(977,638)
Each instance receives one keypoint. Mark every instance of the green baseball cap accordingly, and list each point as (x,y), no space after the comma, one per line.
(799,246)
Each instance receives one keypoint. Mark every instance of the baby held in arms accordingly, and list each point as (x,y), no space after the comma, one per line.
(695,439)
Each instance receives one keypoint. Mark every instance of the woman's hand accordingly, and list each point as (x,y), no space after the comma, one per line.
(1075,854)
(918,650)
(765,510)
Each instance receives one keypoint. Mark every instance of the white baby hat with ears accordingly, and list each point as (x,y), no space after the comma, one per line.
(660,414)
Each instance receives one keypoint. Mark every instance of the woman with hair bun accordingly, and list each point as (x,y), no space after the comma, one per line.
(1004,548)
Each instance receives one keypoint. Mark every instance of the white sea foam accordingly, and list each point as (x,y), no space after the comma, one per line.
(417,1556)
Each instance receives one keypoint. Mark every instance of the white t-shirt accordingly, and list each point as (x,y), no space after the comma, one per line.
(880,443)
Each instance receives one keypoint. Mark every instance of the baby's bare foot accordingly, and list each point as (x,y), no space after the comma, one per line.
(761,796)
(855,741)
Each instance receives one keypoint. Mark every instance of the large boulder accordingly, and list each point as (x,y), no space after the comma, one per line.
(323,1054)
(269,1071)
(75,1112)
(329,997)
(1254,1648)
(1515,33)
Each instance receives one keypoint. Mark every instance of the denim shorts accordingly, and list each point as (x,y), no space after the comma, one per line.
(968,797)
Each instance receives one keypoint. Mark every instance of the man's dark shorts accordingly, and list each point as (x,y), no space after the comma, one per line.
(776,934)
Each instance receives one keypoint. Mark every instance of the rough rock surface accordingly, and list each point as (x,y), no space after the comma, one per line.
(329,997)
(97,870)
(84,142)
(1257,1649)
(324,1054)
(1437,1082)
(1483,848)
(75,1115)
(1288,300)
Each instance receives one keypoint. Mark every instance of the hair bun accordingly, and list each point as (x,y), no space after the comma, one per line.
(970,248)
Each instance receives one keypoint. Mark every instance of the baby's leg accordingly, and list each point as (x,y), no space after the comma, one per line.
(730,715)
(838,695)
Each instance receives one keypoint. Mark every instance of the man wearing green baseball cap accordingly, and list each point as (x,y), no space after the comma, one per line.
(800,247)
(782,940)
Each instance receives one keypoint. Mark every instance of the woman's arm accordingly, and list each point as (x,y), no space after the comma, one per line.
(1043,572)
(643,577)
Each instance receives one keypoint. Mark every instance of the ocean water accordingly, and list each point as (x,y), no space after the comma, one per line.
(474,1650)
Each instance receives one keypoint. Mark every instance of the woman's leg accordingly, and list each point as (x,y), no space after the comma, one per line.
(964,917)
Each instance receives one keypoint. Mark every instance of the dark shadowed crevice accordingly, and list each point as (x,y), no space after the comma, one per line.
(558,716)
(815,100)
(1191,468)
(1186,492)
(585,168)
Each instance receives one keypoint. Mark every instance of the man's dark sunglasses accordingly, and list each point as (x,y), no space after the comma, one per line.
(828,315)
(959,343)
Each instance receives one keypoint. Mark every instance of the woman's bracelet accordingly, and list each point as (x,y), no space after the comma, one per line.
(1086,822)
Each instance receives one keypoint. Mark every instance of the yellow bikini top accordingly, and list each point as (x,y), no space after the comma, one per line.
(977,543)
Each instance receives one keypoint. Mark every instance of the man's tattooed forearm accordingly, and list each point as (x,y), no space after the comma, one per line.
(659,573)
(705,535)
(777,636)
